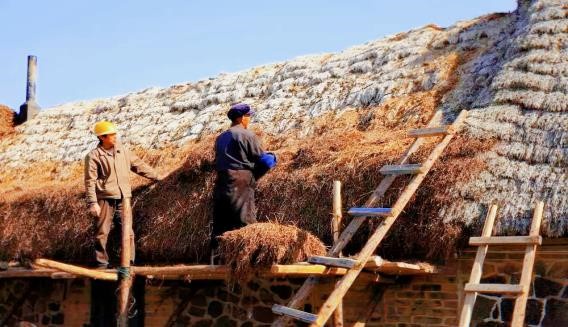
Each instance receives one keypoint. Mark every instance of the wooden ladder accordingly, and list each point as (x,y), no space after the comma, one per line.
(360,215)
(520,290)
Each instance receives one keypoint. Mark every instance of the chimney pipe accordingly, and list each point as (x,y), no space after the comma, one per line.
(30,108)
(32,78)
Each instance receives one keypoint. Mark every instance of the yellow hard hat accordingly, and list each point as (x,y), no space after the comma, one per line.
(104,127)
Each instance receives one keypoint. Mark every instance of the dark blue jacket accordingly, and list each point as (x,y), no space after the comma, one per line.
(237,148)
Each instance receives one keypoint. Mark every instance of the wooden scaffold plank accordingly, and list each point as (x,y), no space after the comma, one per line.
(506,240)
(430,131)
(493,288)
(407,169)
(75,270)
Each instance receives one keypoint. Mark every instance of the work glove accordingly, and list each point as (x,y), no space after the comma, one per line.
(265,163)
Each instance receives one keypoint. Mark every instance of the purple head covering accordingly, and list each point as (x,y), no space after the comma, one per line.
(239,110)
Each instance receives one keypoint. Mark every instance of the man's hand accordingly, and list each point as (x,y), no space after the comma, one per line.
(95,209)
(161,177)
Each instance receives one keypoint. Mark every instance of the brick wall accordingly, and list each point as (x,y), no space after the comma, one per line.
(437,300)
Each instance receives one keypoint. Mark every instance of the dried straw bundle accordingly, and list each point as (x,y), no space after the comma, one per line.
(261,245)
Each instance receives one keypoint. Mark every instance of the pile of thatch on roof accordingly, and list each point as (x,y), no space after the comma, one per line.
(261,245)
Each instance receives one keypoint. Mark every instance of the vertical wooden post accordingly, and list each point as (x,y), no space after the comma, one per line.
(477,269)
(335,228)
(125,277)
(528,264)
(337,216)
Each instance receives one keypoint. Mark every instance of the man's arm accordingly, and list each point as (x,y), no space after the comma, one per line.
(255,152)
(91,179)
(141,168)
(254,149)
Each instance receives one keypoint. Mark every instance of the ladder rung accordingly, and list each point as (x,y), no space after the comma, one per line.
(334,262)
(401,169)
(506,240)
(298,314)
(494,288)
(430,131)
(369,212)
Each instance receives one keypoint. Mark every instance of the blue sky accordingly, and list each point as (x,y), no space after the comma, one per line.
(93,49)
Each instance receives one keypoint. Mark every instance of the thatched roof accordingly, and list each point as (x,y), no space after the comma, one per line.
(331,116)
(528,115)
(7,116)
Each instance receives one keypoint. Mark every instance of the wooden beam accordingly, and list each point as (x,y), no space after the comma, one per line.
(377,264)
(75,270)
(494,288)
(430,131)
(218,272)
(298,314)
(191,271)
(205,272)
(476,271)
(31,273)
(506,240)
(528,264)
(333,262)
(407,169)
(194,272)
(302,270)
(369,212)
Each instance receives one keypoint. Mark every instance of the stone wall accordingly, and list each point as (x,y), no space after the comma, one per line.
(44,302)
(216,303)
(434,300)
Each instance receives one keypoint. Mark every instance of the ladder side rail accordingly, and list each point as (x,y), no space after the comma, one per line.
(477,268)
(528,264)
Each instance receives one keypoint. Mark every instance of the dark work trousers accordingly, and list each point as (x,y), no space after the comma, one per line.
(234,205)
(110,216)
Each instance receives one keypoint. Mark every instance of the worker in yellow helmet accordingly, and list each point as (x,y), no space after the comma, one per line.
(107,184)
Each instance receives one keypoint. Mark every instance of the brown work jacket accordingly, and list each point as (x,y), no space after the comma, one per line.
(107,173)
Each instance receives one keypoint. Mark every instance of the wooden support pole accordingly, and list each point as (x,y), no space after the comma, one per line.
(526,274)
(124,273)
(335,227)
(337,215)
(75,270)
